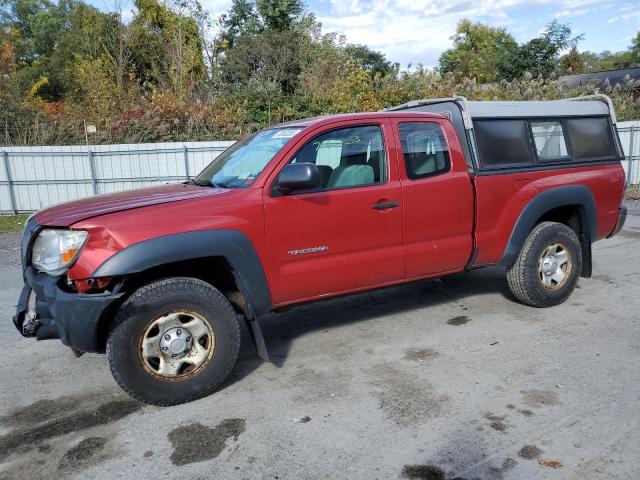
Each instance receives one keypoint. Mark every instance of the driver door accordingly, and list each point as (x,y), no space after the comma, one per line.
(347,235)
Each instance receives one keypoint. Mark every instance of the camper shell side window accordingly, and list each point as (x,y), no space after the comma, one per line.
(524,143)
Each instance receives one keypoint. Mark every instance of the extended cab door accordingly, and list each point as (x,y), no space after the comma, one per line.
(346,235)
(437,197)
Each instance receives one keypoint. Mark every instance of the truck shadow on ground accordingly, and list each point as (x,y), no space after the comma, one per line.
(282,329)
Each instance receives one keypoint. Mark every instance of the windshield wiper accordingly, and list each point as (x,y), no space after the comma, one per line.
(208,184)
(193,181)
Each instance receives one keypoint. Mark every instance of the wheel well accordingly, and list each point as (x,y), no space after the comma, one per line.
(575,217)
(214,270)
(570,215)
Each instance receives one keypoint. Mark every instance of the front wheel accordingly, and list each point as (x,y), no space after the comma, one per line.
(548,267)
(173,341)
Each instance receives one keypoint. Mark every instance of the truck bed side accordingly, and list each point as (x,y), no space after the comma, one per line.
(501,199)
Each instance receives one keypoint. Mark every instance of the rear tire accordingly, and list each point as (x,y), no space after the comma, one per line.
(548,267)
(173,341)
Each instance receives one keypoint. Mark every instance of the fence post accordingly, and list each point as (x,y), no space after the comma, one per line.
(7,171)
(630,164)
(92,169)
(186,162)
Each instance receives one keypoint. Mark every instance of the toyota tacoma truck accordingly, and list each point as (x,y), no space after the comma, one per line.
(161,278)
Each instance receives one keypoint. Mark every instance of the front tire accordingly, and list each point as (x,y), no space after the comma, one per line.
(548,267)
(173,341)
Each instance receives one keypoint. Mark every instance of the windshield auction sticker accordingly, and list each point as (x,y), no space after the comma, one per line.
(286,133)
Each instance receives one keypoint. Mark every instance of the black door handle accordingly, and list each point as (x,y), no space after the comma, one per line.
(386,205)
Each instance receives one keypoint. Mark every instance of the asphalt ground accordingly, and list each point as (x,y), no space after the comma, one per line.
(432,380)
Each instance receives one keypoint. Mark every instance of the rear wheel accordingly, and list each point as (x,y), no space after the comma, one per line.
(548,267)
(173,341)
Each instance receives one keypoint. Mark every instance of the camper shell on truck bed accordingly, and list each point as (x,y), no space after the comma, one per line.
(508,136)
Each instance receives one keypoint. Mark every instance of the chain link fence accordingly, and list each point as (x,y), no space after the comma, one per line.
(32,178)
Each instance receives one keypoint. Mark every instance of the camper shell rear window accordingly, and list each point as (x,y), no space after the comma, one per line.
(508,143)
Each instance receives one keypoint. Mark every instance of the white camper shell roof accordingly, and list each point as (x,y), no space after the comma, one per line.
(467,116)
(590,105)
(555,108)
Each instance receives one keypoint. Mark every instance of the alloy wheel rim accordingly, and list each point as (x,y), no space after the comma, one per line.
(554,266)
(177,345)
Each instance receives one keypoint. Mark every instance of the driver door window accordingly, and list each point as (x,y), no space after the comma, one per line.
(347,157)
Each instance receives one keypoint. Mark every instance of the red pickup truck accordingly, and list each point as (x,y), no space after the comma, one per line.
(160,278)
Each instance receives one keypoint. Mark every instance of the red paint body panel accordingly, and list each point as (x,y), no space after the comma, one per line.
(501,199)
(364,245)
(237,209)
(69,213)
(433,241)
(430,233)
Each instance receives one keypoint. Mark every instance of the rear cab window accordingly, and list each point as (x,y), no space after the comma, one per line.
(424,149)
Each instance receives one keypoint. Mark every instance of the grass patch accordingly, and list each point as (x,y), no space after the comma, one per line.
(12,223)
(633,192)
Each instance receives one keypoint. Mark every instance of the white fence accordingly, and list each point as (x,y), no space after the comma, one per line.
(37,177)
(32,178)
(630,138)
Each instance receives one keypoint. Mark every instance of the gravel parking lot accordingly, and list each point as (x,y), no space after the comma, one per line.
(434,380)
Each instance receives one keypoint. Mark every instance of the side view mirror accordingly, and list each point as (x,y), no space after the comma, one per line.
(298,176)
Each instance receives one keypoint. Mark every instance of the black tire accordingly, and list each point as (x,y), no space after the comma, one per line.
(132,323)
(524,277)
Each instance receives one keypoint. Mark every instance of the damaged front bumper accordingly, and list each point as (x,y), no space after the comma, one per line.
(74,318)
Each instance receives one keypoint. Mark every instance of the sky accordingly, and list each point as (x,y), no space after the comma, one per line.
(418,31)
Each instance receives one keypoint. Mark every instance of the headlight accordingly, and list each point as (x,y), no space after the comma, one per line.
(55,250)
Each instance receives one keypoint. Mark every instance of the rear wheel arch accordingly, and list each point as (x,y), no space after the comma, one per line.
(572,205)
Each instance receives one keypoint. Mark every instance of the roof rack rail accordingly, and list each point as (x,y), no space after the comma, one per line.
(462,101)
(603,98)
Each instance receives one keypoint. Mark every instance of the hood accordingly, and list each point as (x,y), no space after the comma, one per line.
(66,214)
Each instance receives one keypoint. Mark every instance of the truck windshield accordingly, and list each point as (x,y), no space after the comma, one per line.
(239,165)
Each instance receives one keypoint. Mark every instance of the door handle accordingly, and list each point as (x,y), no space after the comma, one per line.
(386,205)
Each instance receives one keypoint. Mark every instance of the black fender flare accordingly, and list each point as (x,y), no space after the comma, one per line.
(545,202)
(232,245)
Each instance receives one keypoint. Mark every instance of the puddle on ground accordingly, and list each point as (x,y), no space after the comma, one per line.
(82,453)
(407,399)
(423,472)
(497,422)
(540,398)
(198,443)
(47,439)
(459,320)
(420,354)
(29,434)
(529,452)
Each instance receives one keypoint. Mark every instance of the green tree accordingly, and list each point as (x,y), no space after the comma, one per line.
(539,56)
(374,62)
(479,51)
(266,64)
(241,18)
(571,63)
(279,15)
(609,61)
(167,48)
